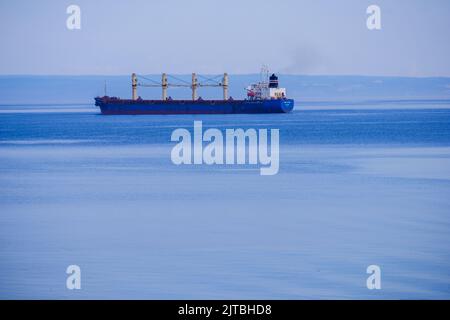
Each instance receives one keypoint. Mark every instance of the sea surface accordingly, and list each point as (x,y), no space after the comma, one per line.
(359,184)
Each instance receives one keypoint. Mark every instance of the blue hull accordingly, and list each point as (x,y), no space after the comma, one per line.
(114,106)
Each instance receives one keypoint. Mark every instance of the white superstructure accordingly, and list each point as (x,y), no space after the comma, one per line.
(267,88)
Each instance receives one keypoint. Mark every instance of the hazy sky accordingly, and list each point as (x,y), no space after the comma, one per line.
(213,36)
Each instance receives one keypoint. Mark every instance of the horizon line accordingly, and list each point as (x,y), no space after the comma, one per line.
(231,74)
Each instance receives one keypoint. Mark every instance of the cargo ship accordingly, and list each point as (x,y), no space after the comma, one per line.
(263,97)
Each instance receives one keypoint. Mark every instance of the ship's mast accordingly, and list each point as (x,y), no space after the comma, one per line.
(225,86)
(164,86)
(133,86)
(264,81)
(194,87)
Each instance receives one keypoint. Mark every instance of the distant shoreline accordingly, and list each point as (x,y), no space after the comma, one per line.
(20,89)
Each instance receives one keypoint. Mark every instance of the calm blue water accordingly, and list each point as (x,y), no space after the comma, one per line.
(357,186)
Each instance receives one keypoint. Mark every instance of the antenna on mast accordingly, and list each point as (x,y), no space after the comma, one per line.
(105,89)
(264,81)
(264,74)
